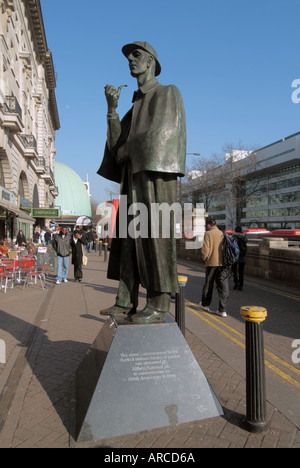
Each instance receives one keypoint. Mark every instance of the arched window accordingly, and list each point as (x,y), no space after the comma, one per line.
(21,187)
(24,193)
(35,200)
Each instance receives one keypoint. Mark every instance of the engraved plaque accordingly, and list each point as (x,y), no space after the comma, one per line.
(150,379)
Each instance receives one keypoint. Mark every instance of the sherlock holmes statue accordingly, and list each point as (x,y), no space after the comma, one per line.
(145,153)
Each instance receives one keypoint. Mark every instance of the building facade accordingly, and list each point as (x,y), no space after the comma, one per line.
(276,201)
(259,189)
(28,118)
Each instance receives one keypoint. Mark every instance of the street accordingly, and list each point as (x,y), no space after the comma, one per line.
(47,334)
(225,336)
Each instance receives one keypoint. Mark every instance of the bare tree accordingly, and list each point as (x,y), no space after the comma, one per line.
(240,185)
(227,179)
(202,181)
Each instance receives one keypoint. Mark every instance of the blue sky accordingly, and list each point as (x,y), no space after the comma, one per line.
(234,62)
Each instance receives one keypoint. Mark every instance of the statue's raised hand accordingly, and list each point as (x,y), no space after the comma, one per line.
(112,96)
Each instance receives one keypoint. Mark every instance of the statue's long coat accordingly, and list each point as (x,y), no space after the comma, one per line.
(146,160)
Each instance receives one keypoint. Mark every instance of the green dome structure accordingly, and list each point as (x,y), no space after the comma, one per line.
(72,198)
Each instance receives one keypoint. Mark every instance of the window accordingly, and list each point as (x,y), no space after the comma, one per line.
(289,197)
(291,211)
(256,214)
(259,201)
(282,184)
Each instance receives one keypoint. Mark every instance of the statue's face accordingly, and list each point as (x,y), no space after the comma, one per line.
(139,62)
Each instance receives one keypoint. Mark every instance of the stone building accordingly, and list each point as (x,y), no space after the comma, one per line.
(28,119)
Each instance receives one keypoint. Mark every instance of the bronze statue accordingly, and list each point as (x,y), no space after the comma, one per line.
(145,153)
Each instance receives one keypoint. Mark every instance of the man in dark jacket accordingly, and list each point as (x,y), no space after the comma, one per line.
(239,266)
(48,237)
(77,243)
(89,240)
(145,153)
(61,245)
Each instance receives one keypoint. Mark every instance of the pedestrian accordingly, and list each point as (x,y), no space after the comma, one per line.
(30,247)
(145,153)
(21,240)
(42,236)
(77,243)
(212,254)
(62,245)
(239,266)
(82,232)
(95,239)
(36,236)
(4,249)
(48,236)
(89,240)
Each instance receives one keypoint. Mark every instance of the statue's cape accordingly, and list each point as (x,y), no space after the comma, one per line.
(153,135)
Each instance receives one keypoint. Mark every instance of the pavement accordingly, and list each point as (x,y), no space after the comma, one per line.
(45,336)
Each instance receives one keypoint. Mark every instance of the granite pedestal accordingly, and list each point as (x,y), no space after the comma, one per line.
(139,377)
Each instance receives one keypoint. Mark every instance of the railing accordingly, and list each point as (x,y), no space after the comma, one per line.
(29,141)
(41,162)
(48,172)
(12,106)
(54,190)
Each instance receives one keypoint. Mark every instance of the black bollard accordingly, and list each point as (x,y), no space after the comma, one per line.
(256,417)
(105,252)
(180,304)
(100,248)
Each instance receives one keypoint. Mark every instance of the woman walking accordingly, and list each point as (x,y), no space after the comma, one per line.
(77,243)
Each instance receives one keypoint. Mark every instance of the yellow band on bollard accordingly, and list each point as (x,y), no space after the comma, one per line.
(254,314)
(182,280)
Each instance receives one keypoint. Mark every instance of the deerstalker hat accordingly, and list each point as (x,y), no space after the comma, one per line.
(128,48)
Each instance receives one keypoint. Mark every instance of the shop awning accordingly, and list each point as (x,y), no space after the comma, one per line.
(14,209)
(64,221)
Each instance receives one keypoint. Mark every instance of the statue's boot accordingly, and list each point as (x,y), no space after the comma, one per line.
(149,316)
(116,310)
(156,310)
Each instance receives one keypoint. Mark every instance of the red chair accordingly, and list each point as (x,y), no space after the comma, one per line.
(26,265)
(7,275)
(37,273)
(11,266)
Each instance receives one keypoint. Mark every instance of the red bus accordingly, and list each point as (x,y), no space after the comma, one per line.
(108,212)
